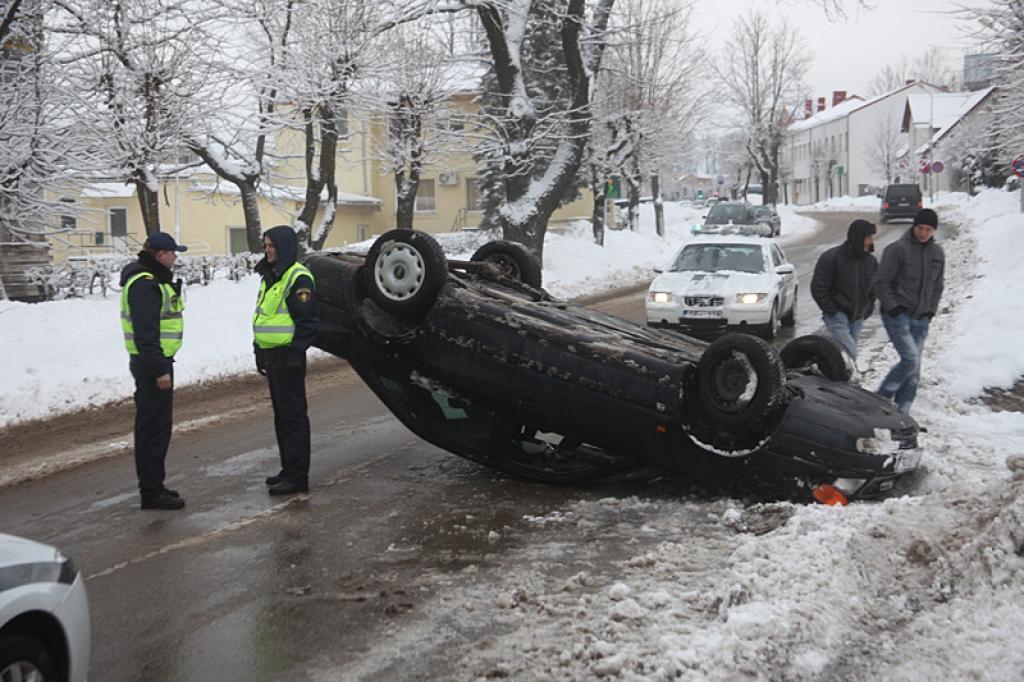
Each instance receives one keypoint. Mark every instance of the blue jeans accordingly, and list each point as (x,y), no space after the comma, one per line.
(844,331)
(907,335)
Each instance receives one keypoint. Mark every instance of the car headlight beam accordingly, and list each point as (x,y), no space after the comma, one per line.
(751,298)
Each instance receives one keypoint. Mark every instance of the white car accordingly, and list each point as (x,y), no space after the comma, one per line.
(44,614)
(725,281)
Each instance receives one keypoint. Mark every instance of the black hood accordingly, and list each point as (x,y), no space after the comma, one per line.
(146,263)
(859,229)
(286,242)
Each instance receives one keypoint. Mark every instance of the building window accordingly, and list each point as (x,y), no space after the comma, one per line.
(237,240)
(118,222)
(362,233)
(473,198)
(426,201)
(68,221)
(343,124)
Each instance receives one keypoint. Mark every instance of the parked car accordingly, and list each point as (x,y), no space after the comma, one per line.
(732,217)
(725,282)
(900,201)
(474,357)
(766,215)
(44,614)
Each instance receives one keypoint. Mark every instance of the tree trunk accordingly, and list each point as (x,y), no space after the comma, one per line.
(319,174)
(659,208)
(599,189)
(149,205)
(251,211)
(405,205)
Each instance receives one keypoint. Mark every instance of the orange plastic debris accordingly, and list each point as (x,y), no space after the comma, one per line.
(826,493)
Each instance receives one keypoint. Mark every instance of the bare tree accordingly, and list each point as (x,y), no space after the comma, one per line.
(886,146)
(530,201)
(761,68)
(139,68)
(422,127)
(1001,30)
(929,67)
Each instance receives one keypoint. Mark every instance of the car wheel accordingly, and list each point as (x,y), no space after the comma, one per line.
(740,380)
(405,270)
(883,219)
(772,330)
(25,658)
(789,319)
(819,355)
(513,259)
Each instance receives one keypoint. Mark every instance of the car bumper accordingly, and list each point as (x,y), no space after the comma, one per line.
(73,614)
(731,316)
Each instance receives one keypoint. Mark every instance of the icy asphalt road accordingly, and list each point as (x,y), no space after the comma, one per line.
(405,562)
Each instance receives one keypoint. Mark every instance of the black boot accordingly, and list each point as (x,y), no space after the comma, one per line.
(162,500)
(286,487)
(273,480)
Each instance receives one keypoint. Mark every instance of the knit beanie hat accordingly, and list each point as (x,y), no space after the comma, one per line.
(926,216)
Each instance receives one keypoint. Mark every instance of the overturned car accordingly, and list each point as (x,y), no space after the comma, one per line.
(474,357)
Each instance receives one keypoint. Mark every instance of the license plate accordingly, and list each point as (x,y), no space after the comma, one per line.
(702,313)
(907,460)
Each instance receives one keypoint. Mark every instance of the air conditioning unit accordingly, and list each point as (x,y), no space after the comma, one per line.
(448,178)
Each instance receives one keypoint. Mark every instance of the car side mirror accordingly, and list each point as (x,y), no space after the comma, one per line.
(785,269)
(704,216)
(659,270)
(879,196)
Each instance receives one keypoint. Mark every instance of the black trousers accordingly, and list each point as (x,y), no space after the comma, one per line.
(153,420)
(291,418)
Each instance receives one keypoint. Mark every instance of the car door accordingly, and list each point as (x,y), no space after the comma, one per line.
(789,282)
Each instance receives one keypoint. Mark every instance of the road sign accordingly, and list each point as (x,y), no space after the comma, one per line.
(839,171)
(937,167)
(614,188)
(925,166)
(1018,166)
(721,179)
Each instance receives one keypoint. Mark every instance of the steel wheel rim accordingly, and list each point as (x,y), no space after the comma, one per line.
(734,382)
(399,271)
(21,671)
(507,265)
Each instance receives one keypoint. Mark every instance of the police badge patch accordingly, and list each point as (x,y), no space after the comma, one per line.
(304,295)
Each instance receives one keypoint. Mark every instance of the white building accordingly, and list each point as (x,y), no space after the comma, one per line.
(938,127)
(849,148)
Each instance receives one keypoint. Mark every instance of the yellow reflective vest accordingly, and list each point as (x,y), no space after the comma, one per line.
(172,322)
(272,324)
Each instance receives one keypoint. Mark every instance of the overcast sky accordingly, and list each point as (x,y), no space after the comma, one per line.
(847,54)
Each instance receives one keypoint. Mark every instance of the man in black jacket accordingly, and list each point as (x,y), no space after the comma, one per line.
(285,324)
(842,281)
(909,287)
(153,326)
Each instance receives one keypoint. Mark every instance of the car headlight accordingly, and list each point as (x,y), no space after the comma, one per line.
(882,443)
(751,299)
(660,297)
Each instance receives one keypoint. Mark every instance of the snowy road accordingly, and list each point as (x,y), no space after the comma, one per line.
(409,563)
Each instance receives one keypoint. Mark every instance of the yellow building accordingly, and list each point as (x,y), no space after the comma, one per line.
(207,215)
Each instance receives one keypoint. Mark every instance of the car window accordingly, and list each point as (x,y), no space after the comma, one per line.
(777,256)
(912,191)
(762,211)
(722,214)
(453,420)
(717,257)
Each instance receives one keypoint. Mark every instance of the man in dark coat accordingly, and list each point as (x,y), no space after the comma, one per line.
(284,325)
(909,287)
(153,327)
(842,281)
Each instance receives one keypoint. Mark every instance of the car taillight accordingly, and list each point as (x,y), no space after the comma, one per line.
(920,203)
(885,204)
(826,493)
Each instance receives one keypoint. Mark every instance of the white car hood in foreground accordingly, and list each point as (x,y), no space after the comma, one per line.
(722,283)
(14,550)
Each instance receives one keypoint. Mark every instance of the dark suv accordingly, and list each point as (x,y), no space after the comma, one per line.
(900,201)
(476,358)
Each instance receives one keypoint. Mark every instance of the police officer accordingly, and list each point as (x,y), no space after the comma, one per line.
(153,326)
(284,325)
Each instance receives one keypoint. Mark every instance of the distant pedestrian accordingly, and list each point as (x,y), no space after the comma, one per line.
(153,327)
(909,286)
(842,282)
(284,325)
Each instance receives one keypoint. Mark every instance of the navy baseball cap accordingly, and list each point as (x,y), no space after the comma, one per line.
(161,241)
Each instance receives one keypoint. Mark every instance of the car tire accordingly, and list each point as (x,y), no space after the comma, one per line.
(404,271)
(772,330)
(819,355)
(513,259)
(27,655)
(883,219)
(724,373)
(789,319)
